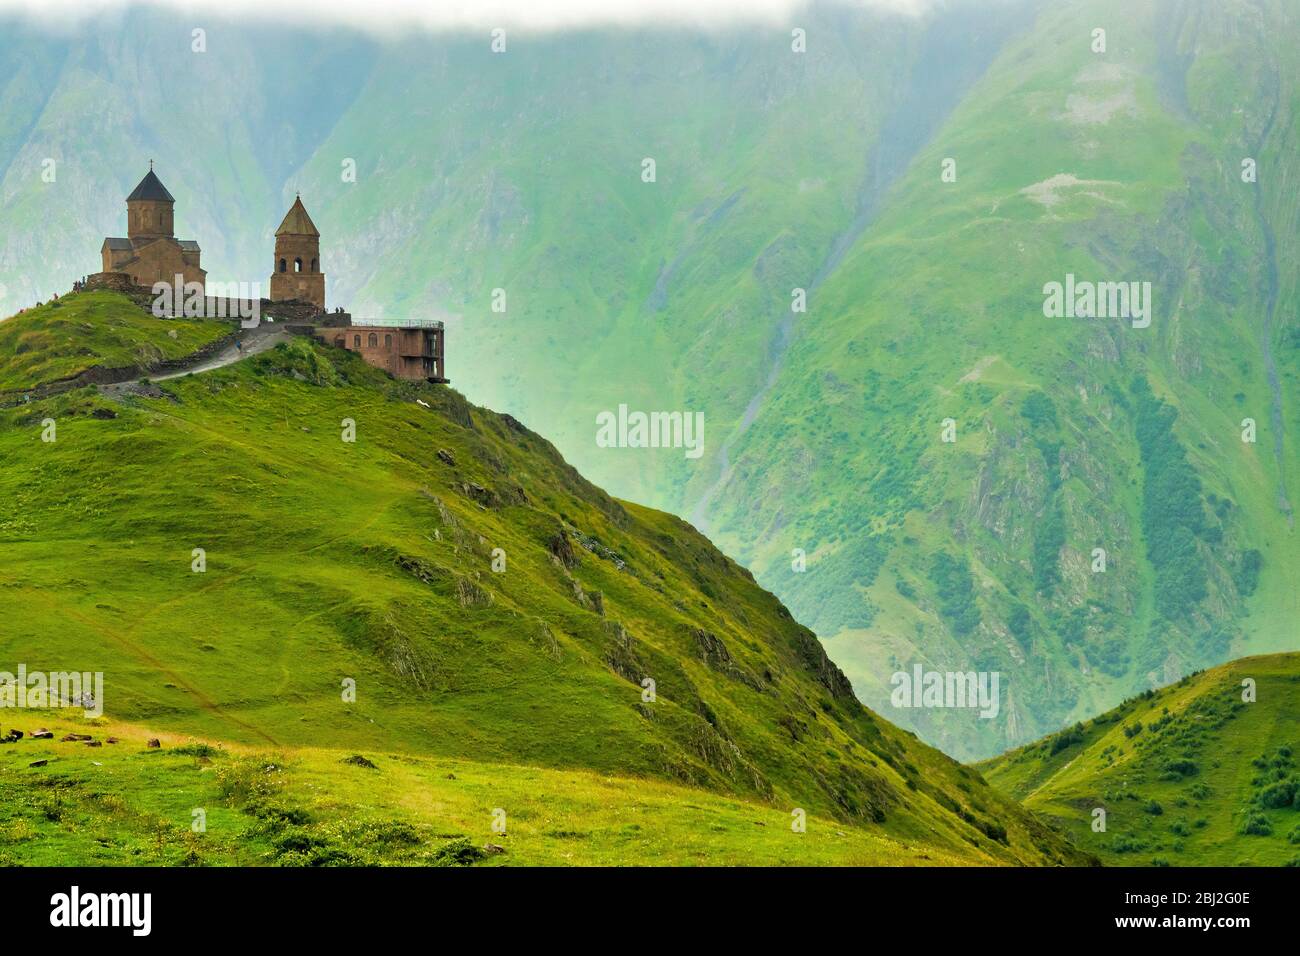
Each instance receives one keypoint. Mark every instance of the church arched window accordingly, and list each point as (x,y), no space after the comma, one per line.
(374,340)
(297,265)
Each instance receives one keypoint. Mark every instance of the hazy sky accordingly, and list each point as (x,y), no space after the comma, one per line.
(399,15)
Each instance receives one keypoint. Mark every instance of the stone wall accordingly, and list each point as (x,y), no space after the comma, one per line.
(113,282)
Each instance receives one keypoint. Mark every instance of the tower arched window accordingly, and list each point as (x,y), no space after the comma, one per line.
(374,340)
(284,266)
(297,265)
(315,265)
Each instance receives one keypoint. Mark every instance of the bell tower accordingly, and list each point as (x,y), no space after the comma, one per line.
(297,272)
(149,210)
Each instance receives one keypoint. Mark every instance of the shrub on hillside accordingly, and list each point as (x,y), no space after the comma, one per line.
(1178,769)
(1255,824)
(955,588)
(1278,795)
(1067,738)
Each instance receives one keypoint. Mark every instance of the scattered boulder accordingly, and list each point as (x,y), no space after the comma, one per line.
(562,548)
(357,760)
(111,740)
(42,734)
(713,652)
(94,743)
(477,493)
(38,763)
(446,457)
(73,738)
(154,743)
(493,848)
(469,594)
(457,853)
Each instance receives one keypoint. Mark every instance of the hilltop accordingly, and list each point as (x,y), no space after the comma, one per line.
(1188,775)
(495,614)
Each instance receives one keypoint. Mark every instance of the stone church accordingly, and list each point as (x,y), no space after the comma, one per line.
(151,252)
(412,350)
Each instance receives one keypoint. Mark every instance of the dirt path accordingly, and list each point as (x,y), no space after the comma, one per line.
(253,341)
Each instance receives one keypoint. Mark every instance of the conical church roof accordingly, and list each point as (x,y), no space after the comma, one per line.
(297,222)
(150,188)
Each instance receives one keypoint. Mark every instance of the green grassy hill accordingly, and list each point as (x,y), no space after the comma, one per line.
(67,337)
(1188,775)
(778,170)
(494,612)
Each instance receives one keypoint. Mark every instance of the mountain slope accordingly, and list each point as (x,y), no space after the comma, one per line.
(778,171)
(481,599)
(1191,774)
(1069,435)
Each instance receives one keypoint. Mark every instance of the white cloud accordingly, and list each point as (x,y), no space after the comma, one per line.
(396,16)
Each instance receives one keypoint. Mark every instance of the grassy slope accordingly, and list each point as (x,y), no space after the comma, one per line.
(677,292)
(1184,788)
(371,560)
(521,171)
(125,804)
(64,338)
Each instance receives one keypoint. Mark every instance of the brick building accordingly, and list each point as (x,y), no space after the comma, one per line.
(412,351)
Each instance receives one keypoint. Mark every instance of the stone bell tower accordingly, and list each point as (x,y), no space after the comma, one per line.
(297,272)
(150,210)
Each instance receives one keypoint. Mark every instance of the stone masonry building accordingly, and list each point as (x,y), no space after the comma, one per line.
(151,252)
(297,272)
(412,350)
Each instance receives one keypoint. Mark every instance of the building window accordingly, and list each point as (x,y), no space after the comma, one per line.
(356,341)
(284,266)
(388,341)
(339,341)
(374,340)
(297,265)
